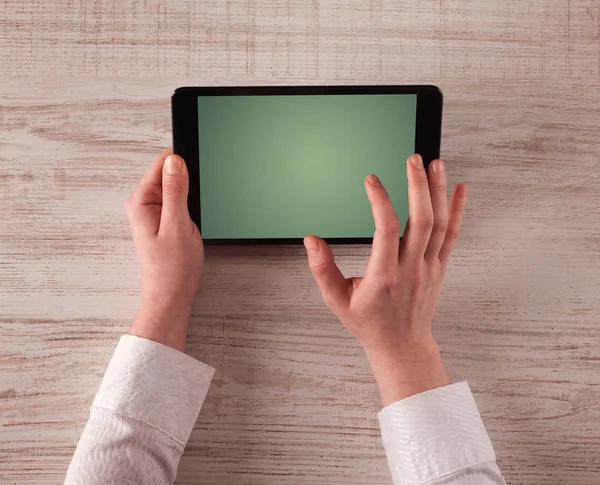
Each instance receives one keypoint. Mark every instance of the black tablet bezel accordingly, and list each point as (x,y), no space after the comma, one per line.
(184,107)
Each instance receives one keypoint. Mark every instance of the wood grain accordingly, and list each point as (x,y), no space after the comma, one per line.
(84,104)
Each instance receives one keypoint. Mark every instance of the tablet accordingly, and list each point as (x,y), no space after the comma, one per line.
(269,165)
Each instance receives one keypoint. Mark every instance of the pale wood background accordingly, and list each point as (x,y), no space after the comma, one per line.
(84,104)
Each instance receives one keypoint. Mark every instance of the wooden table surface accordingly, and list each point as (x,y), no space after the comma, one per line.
(84,105)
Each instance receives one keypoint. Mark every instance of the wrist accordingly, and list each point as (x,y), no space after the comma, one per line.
(163,320)
(408,371)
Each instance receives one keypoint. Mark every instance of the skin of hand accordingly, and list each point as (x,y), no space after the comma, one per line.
(390,309)
(169,249)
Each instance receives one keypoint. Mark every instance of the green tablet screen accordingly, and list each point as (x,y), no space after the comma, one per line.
(290,165)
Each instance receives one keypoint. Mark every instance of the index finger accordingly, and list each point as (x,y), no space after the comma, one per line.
(386,240)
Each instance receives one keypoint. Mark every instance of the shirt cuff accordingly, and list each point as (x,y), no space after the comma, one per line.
(433,434)
(155,384)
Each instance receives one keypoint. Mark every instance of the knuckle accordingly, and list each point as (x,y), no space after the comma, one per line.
(426,222)
(420,180)
(390,283)
(459,210)
(390,228)
(440,188)
(452,233)
(440,225)
(173,189)
(318,269)
(179,233)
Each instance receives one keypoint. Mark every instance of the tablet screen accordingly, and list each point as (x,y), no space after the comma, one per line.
(285,166)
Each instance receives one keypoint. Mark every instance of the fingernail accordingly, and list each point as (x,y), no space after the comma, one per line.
(416,161)
(312,246)
(461,192)
(374,180)
(438,167)
(173,165)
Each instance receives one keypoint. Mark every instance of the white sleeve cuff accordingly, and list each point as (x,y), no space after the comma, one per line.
(433,434)
(155,384)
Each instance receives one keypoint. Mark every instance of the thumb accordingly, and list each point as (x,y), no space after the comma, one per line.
(175,187)
(332,283)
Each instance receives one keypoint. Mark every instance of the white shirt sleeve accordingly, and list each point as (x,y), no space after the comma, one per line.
(142,416)
(438,438)
(150,397)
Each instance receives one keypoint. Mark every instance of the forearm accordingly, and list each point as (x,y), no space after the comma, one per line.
(142,416)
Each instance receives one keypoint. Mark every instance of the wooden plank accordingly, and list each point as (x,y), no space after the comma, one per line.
(332,39)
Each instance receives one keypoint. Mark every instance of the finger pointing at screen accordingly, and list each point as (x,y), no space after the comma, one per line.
(390,310)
